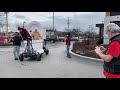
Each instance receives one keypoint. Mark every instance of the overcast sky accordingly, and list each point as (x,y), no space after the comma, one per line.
(77,19)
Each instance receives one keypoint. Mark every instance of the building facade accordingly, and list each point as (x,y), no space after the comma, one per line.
(111,17)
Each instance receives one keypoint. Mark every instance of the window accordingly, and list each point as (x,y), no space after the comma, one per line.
(116,22)
(114,13)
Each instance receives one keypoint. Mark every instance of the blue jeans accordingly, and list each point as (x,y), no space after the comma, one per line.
(68,54)
(16,51)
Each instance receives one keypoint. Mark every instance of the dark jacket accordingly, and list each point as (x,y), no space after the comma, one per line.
(113,66)
(17,41)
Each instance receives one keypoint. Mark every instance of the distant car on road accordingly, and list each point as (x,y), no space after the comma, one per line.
(52,38)
(61,39)
(75,39)
(3,39)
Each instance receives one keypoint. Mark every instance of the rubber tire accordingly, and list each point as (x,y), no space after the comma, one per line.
(39,57)
(21,58)
(52,41)
(47,52)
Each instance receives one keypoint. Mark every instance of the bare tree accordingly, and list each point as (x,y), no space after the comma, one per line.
(90,34)
(75,31)
(18,24)
(67,30)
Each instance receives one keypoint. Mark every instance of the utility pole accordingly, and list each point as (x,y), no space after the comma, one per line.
(68,22)
(53,20)
(90,28)
(6,21)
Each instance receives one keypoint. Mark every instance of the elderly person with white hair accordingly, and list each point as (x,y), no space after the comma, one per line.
(112,55)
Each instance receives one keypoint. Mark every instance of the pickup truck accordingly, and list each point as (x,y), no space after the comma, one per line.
(61,39)
(52,38)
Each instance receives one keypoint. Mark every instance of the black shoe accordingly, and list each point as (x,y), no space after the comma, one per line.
(16,58)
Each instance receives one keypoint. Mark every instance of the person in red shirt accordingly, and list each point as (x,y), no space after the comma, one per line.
(112,56)
(68,45)
(24,33)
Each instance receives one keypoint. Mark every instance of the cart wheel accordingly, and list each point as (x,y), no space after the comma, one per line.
(52,41)
(47,52)
(39,57)
(21,57)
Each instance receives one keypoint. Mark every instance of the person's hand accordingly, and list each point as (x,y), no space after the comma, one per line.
(102,48)
(12,40)
(98,50)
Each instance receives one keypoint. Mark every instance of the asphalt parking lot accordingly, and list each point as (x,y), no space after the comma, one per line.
(54,65)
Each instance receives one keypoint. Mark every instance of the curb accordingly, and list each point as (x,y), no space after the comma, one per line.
(6,46)
(95,59)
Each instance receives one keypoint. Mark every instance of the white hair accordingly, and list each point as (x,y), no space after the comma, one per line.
(112,27)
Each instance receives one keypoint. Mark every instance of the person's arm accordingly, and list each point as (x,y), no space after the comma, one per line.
(12,39)
(21,39)
(106,58)
(112,51)
(20,36)
(32,35)
(40,35)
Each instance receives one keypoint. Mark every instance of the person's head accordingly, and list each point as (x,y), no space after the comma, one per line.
(19,28)
(16,34)
(112,29)
(36,30)
(68,34)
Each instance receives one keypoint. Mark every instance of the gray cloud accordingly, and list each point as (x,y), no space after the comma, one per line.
(20,16)
(46,19)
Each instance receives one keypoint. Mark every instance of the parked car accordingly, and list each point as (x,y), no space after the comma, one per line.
(75,39)
(61,39)
(4,38)
(1,39)
(52,38)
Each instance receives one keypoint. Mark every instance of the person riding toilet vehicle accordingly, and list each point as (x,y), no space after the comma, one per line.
(36,35)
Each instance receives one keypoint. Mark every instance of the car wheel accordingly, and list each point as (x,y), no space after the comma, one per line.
(39,57)
(21,57)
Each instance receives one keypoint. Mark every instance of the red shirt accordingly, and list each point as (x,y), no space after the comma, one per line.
(113,50)
(24,34)
(68,41)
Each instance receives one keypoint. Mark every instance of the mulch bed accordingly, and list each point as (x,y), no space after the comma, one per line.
(83,48)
